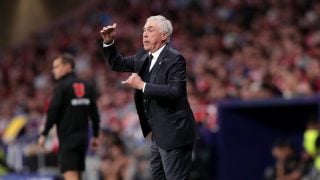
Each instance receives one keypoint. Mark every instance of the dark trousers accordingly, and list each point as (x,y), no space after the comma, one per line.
(172,164)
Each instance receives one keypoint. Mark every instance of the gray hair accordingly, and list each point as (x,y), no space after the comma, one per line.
(164,24)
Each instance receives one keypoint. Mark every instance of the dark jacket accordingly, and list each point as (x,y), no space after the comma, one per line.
(72,104)
(169,114)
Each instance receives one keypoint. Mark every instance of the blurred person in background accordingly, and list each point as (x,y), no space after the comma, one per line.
(159,79)
(116,164)
(311,145)
(72,104)
(286,165)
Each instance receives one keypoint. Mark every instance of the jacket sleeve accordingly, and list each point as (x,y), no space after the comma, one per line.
(176,86)
(118,62)
(94,114)
(55,110)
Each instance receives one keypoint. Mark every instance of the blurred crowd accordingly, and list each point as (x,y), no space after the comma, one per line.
(235,49)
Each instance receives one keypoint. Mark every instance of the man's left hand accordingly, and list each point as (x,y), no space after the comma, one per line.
(94,143)
(134,81)
(41,141)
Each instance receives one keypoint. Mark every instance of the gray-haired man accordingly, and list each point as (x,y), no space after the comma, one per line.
(159,79)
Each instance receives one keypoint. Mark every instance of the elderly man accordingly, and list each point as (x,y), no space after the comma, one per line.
(159,79)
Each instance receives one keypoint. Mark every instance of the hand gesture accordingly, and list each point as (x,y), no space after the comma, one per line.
(94,143)
(108,33)
(134,81)
(41,141)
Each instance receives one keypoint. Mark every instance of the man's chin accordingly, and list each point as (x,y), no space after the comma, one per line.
(147,48)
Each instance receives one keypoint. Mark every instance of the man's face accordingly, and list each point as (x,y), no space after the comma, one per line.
(282,153)
(153,39)
(59,69)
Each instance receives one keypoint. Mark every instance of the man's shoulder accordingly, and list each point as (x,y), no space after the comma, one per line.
(70,81)
(81,81)
(171,51)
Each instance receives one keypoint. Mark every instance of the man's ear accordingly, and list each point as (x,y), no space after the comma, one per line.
(164,36)
(68,68)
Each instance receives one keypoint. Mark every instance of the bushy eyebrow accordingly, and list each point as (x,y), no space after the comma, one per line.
(149,27)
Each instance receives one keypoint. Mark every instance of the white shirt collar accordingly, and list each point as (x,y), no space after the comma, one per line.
(157,53)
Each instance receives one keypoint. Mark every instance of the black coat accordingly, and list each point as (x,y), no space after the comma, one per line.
(169,114)
(72,105)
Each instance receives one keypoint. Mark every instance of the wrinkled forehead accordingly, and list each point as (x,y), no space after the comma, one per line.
(151,24)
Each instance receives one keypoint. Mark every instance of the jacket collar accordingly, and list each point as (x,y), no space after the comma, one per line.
(160,61)
(70,74)
(145,56)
